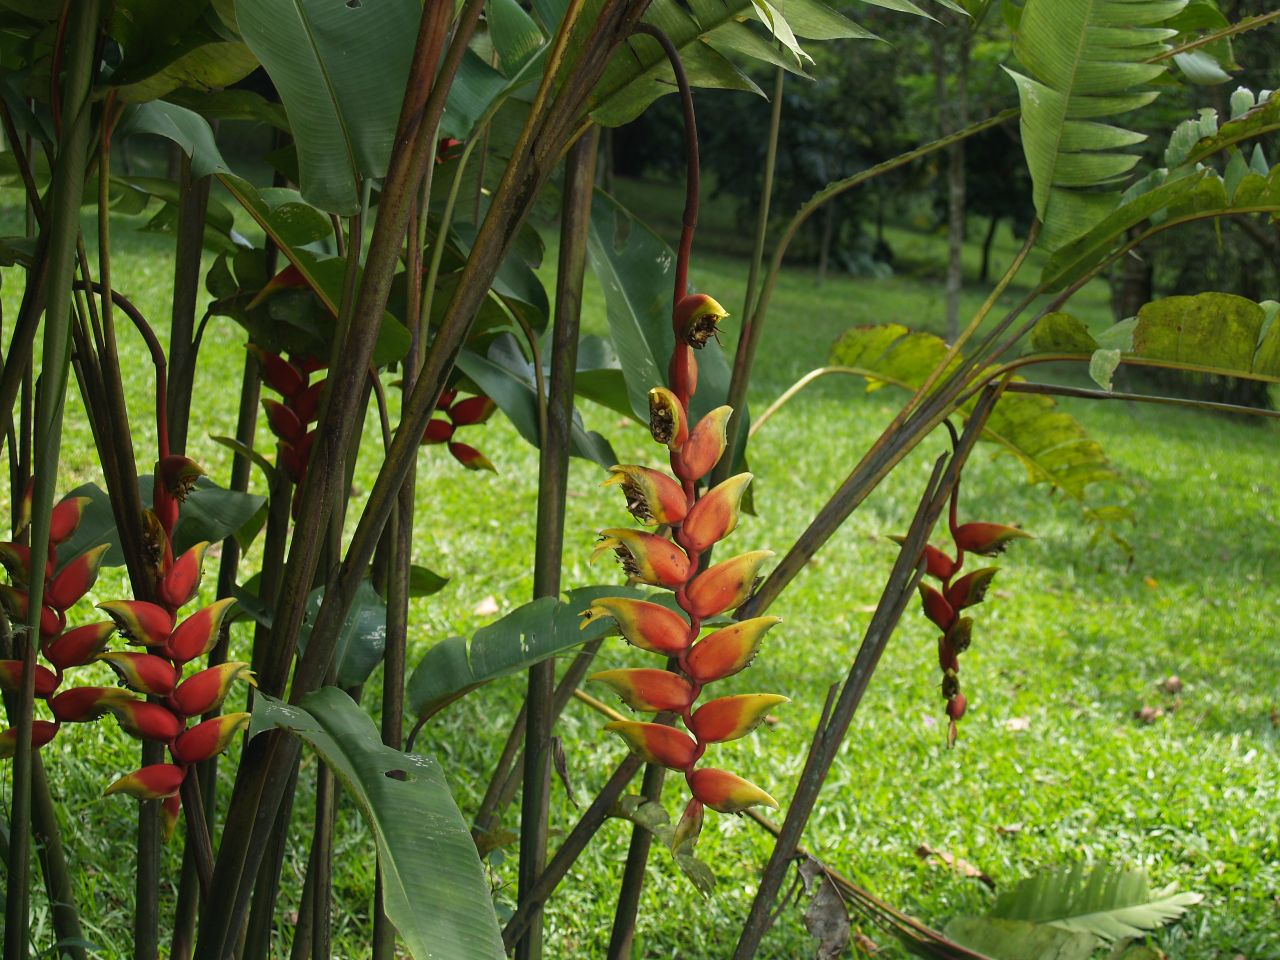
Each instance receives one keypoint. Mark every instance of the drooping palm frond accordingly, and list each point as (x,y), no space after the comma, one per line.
(1085,60)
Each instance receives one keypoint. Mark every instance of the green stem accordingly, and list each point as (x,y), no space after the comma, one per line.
(64,226)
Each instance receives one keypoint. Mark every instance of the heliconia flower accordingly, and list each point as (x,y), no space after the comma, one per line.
(181,583)
(652,496)
(682,372)
(437,431)
(16,560)
(294,457)
(971,588)
(11,673)
(170,809)
(143,672)
(667,422)
(728,718)
(86,703)
(77,647)
(936,607)
(470,457)
(204,691)
(947,658)
(937,563)
(696,318)
(154,782)
(307,404)
(284,422)
(715,515)
(646,690)
(277,372)
(727,792)
(728,650)
(445,148)
(472,410)
(75,579)
(726,585)
(140,622)
(706,444)
(66,518)
(649,626)
(689,826)
(987,539)
(446,399)
(656,743)
(146,721)
(210,738)
(197,634)
(307,363)
(178,475)
(956,706)
(960,634)
(157,548)
(645,556)
(17,604)
(42,731)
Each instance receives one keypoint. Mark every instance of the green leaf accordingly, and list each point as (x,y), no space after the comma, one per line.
(507,378)
(423,582)
(232,105)
(1196,140)
(1102,367)
(1085,62)
(527,635)
(210,513)
(434,886)
(516,36)
(1101,901)
(635,269)
(1201,67)
(1019,940)
(340,69)
(1050,443)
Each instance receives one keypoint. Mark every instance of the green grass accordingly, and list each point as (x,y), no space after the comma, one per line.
(1073,638)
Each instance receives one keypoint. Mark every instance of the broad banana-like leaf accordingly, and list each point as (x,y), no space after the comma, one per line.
(1212,333)
(1049,442)
(1000,939)
(1084,62)
(1103,901)
(527,635)
(433,884)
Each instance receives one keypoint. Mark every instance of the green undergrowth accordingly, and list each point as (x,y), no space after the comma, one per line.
(1051,766)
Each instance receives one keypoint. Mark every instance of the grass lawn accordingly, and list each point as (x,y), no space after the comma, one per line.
(1051,765)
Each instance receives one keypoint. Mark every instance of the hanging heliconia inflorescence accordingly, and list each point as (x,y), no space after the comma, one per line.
(943,606)
(154,701)
(687,524)
(453,415)
(292,417)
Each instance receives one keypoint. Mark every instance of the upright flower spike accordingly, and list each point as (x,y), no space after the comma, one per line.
(652,497)
(75,579)
(706,444)
(668,423)
(155,782)
(645,557)
(715,515)
(649,626)
(726,585)
(697,318)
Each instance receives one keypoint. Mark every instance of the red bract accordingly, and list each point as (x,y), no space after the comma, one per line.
(75,579)
(470,457)
(11,673)
(155,782)
(178,475)
(197,634)
(277,373)
(42,731)
(204,691)
(77,647)
(180,585)
(66,518)
(140,622)
(437,431)
(86,703)
(471,411)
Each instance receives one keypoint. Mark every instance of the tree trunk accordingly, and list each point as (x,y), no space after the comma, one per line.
(988,241)
(953,115)
(824,248)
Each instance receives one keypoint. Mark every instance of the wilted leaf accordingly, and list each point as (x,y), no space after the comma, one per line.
(962,867)
(826,917)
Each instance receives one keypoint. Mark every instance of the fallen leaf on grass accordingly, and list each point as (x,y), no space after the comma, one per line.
(1009,830)
(1172,684)
(1018,724)
(826,918)
(486,607)
(865,944)
(1148,714)
(962,867)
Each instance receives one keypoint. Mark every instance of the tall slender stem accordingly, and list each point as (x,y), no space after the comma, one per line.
(575,219)
(193,202)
